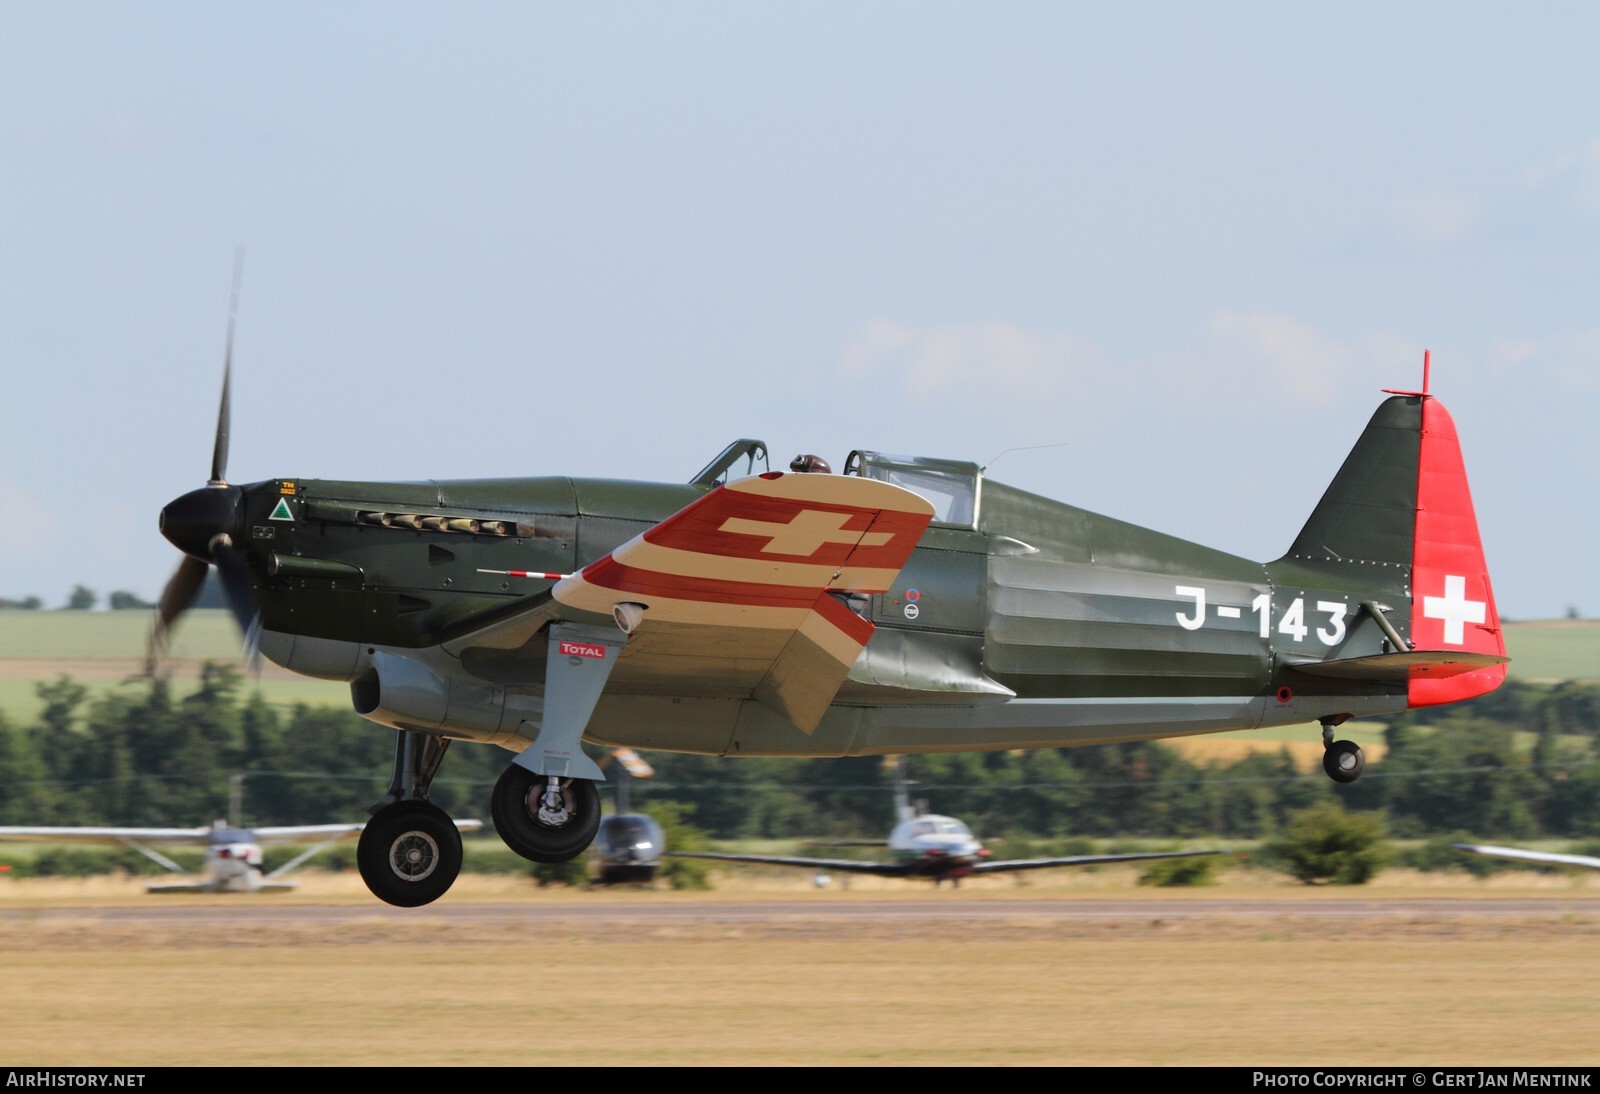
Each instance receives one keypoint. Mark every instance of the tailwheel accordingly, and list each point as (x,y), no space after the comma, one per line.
(545,819)
(409,854)
(1344,761)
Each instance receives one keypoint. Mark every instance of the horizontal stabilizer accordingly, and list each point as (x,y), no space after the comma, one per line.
(1403,667)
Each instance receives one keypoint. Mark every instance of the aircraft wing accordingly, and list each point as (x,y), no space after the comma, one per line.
(107,835)
(327,834)
(842,865)
(1005,865)
(299,833)
(1549,857)
(739,594)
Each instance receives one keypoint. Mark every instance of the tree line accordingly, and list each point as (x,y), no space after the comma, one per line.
(1520,763)
(81,599)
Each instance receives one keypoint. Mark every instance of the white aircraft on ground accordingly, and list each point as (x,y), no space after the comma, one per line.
(927,845)
(1549,858)
(233,854)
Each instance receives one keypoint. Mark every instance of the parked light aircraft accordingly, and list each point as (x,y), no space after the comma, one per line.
(906,605)
(1549,858)
(628,846)
(927,845)
(628,849)
(233,854)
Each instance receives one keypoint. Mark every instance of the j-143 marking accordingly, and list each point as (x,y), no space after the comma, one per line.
(1292,623)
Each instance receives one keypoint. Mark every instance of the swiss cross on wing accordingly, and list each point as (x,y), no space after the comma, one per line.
(773,543)
(740,525)
(806,533)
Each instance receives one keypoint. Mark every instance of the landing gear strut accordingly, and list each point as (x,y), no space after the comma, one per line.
(410,851)
(1342,760)
(545,818)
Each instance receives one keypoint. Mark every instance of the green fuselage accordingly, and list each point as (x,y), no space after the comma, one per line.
(1033,624)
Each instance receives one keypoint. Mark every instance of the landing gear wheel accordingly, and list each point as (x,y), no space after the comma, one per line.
(540,829)
(1344,761)
(409,854)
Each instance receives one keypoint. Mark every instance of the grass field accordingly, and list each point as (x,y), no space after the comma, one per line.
(1563,649)
(106,650)
(1219,989)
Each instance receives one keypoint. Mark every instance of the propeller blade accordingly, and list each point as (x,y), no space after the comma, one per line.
(176,598)
(198,524)
(252,647)
(237,587)
(219,449)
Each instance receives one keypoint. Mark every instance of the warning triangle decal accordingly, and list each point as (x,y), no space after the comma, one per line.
(282,512)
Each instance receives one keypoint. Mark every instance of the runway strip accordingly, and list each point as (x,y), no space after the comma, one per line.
(603,914)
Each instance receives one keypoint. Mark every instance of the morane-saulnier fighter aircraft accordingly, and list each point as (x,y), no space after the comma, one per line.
(927,845)
(905,605)
(233,854)
(1544,858)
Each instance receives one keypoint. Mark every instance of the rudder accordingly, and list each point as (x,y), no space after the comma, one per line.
(1452,600)
(1398,522)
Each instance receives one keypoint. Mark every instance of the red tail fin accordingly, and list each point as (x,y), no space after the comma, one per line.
(1452,603)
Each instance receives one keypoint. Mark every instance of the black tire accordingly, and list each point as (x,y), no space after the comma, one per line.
(515,808)
(409,854)
(1344,761)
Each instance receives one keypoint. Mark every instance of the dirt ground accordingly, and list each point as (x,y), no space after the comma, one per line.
(1359,977)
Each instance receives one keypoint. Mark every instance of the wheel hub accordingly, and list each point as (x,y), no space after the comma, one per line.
(414,856)
(554,806)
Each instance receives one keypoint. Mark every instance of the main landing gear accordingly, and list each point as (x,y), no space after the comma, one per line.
(410,851)
(546,806)
(1342,760)
(545,818)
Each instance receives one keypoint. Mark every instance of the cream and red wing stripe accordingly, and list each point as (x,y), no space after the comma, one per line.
(766,554)
(761,548)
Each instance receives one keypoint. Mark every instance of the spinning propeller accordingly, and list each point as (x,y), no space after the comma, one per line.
(206,524)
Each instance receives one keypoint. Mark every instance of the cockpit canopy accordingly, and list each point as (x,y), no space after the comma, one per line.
(952,487)
(743,457)
(937,826)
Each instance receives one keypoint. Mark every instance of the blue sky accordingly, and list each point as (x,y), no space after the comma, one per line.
(1183,246)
